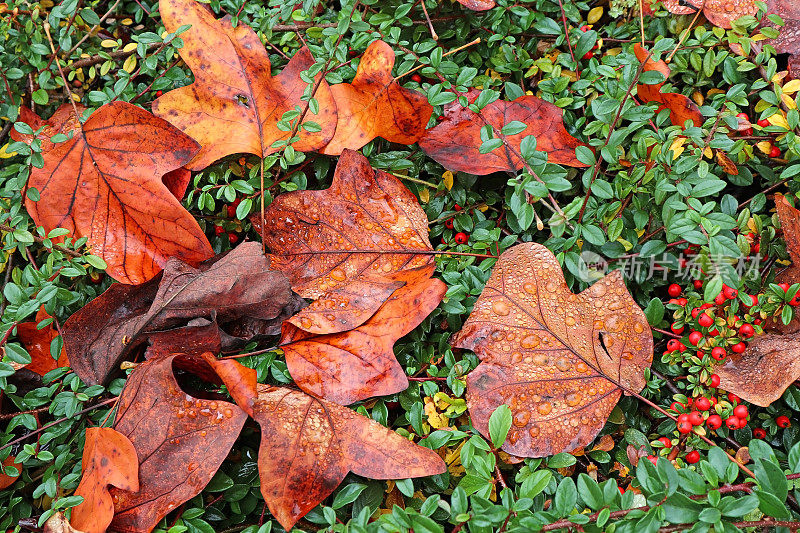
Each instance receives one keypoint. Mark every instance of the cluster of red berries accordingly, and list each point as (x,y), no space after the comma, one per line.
(460,237)
(691,413)
(231,210)
(590,53)
(774,151)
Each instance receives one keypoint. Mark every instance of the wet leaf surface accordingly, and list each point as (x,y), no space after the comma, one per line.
(105,184)
(455,141)
(37,343)
(375,105)
(308,446)
(108,459)
(180,441)
(318,239)
(360,363)
(477,5)
(235,104)
(718,12)
(788,41)
(554,357)
(681,107)
(232,287)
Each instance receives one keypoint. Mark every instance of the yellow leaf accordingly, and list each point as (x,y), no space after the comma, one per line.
(4,153)
(447,178)
(761,105)
(435,419)
(677,147)
(778,120)
(130,64)
(758,37)
(697,96)
(594,15)
(712,92)
(126,22)
(614,51)
(129,47)
(764,146)
(708,153)
(108,43)
(791,87)
(788,101)
(424,196)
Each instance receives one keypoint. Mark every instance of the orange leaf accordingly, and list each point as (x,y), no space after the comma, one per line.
(105,184)
(318,239)
(375,105)
(559,360)
(360,363)
(108,459)
(718,12)
(324,442)
(180,441)
(235,104)
(37,343)
(5,479)
(681,107)
(455,142)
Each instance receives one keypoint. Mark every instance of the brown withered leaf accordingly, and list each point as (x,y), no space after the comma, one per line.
(718,12)
(235,104)
(108,459)
(58,523)
(308,446)
(229,288)
(318,239)
(454,143)
(358,364)
(375,105)
(788,40)
(557,359)
(106,184)
(681,107)
(477,5)
(37,343)
(760,375)
(180,441)
(751,375)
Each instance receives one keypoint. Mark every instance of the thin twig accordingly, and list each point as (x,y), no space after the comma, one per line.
(38,239)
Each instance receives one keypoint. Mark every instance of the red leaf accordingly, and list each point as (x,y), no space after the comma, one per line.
(37,343)
(455,142)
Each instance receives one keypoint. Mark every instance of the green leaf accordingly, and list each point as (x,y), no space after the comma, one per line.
(499,424)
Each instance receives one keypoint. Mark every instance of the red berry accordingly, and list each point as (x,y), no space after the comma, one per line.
(231,211)
(653,459)
(729,292)
(746,331)
(676,406)
(783,421)
(674,290)
(666,442)
(732,422)
(233,238)
(676,329)
(695,418)
(714,422)
(763,122)
(740,411)
(775,152)
(96,277)
(219,230)
(795,301)
(697,284)
(461,238)
(713,332)
(757,321)
(417,78)
(784,286)
(682,302)
(685,427)
(733,398)
(703,403)
(588,55)
(586,27)
(755,248)
(739,347)
(692,457)
(743,116)
(673,344)
(714,380)
(621,490)
(759,433)
(695,337)
(457,207)
(704,320)
(448,223)
(718,353)
(159,93)
(720,299)
(683,417)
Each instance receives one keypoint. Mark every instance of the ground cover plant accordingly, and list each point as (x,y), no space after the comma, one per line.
(394,265)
